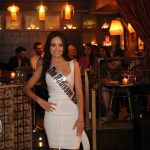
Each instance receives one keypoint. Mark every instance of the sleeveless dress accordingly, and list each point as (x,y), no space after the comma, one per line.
(59,123)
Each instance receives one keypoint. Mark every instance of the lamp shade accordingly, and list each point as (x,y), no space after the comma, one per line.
(41,10)
(116,27)
(13,9)
(68,11)
(130,28)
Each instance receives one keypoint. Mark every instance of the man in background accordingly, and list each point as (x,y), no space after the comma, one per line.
(72,51)
(37,57)
(19,60)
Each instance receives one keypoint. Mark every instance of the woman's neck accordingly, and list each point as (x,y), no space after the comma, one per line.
(57,60)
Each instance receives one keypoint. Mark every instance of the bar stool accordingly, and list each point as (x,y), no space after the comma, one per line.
(120,89)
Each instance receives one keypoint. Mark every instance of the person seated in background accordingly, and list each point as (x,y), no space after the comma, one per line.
(137,67)
(103,53)
(72,51)
(38,55)
(19,60)
(110,73)
(139,72)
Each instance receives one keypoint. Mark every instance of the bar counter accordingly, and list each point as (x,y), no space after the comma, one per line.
(15,118)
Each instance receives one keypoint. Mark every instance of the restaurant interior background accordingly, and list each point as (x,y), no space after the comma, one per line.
(89,24)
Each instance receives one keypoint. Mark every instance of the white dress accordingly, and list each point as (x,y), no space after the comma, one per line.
(59,123)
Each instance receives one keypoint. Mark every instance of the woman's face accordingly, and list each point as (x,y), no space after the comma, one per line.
(56,47)
(87,50)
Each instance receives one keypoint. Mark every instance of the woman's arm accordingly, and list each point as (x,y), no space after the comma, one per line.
(31,83)
(28,90)
(79,94)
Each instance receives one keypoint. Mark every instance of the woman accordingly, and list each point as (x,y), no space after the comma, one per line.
(88,61)
(63,120)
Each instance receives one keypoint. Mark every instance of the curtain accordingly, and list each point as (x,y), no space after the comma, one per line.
(137,12)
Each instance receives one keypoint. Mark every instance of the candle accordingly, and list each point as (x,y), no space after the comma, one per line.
(12,75)
(40,144)
(125,81)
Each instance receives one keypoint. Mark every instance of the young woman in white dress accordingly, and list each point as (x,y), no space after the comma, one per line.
(63,120)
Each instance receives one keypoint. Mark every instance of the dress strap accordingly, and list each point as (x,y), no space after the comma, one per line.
(72,69)
(71,66)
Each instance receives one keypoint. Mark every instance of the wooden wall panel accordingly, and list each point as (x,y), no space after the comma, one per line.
(10,40)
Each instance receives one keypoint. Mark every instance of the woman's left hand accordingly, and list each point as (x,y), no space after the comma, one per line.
(80,127)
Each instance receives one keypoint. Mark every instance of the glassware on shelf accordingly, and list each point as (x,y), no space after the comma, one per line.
(128,77)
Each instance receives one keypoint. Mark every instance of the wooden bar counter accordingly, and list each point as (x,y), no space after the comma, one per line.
(15,118)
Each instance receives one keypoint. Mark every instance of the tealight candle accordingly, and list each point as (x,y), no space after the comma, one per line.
(40,144)
(12,75)
(125,81)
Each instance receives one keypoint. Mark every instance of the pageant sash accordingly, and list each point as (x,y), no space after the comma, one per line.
(63,83)
(66,87)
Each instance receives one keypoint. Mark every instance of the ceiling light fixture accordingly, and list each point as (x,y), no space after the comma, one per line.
(68,11)
(105,25)
(41,9)
(116,27)
(130,28)
(13,9)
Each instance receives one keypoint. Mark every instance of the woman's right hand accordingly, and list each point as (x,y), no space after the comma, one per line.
(47,106)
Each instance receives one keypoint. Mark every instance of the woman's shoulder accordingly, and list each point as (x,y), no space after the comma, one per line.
(73,62)
(76,63)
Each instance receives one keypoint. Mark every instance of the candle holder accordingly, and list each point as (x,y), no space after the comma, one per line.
(125,81)
(128,77)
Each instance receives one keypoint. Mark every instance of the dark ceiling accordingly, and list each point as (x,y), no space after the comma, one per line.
(92,6)
(105,6)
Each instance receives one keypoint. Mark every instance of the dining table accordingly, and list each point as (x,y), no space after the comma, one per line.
(134,91)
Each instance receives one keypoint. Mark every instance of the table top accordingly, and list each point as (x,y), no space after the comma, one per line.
(117,84)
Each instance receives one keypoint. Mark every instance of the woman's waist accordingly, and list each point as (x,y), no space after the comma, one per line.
(63,104)
(55,94)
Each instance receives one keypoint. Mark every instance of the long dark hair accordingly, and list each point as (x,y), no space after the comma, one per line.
(91,56)
(47,55)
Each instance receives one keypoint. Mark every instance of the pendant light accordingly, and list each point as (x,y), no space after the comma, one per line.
(13,9)
(68,11)
(116,27)
(130,28)
(105,25)
(41,10)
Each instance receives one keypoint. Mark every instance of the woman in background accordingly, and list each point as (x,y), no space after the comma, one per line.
(88,61)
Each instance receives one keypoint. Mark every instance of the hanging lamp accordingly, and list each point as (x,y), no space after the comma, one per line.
(105,25)
(130,28)
(13,9)
(68,11)
(116,27)
(41,10)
